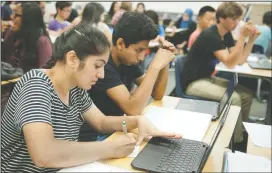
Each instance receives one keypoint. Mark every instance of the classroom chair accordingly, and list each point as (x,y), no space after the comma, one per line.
(179,62)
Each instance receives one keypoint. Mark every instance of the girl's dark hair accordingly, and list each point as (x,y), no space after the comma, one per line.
(31,29)
(111,12)
(92,13)
(142,4)
(153,16)
(82,39)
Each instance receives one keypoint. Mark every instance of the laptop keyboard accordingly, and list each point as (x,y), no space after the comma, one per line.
(182,158)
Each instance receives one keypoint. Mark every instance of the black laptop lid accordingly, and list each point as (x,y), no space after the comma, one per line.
(231,87)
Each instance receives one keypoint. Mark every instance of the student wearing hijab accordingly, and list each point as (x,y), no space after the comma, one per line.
(185,20)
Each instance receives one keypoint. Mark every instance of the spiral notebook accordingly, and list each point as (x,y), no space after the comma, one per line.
(94,167)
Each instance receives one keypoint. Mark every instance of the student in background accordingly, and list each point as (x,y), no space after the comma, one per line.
(27,45)
(152,50)
(265,30)
(73,15)
(7,10)
(206,18)
(59,23)
(112,95)
(212,44)
(115,6)
(41,123)
(7,16)
(185,20)
(125,6)
(155,18)
(140,8)
(93,15)
(42,4)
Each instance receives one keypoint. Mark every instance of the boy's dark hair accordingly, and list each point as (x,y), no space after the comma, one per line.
(205,9)
(228,10)
(92,13)
(82,39)
(111,11)
(134,27)
(153,16)
(267,18)
(62,4)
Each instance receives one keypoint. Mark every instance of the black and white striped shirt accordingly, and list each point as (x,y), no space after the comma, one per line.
(34,100)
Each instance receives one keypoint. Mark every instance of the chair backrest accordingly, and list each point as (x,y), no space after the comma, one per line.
(178,67)
(179,63)
(257,49)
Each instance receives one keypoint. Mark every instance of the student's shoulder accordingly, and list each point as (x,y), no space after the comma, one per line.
(35,77)
(110,66)
(210,33)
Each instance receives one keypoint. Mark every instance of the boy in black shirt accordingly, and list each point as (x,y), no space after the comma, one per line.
(112,95)
(215,43)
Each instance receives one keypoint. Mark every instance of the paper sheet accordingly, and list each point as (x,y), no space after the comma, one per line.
(153,44)
(259,134)
(252,58)
(242,162)
(94,167)
(52,38)
(191,125)
(135,152)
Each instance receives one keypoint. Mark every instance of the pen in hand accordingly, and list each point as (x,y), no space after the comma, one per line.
(124,125)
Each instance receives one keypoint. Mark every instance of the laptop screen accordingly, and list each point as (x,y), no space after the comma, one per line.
(231,86)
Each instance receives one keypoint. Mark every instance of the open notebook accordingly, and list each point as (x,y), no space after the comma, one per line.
(192,125)
(94,167)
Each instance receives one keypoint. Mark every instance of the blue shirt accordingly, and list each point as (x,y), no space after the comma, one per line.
(264,38)
(161,30)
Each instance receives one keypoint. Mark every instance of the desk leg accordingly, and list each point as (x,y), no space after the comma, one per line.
(267,119)
(258,92)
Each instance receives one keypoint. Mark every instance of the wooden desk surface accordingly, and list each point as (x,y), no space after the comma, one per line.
(259,151)
(215,160)
(9,81)
(253,72)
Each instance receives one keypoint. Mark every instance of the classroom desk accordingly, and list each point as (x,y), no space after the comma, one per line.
(252,72)
(256,73)
(215,160)
(9,81)
(259,151)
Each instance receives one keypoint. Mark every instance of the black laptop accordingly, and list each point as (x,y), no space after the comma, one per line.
(177,155)
(209,107)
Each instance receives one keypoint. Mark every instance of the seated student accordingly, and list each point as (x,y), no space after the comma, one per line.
(210,45)
(265,30)
(125,6)
(41,122)
(27,45)
(181,39)
(112,95)
(93,15)
(7,16)
(42,5)
(140,8)
(59,23)
(185,20)
(115,6)
(206,18)
(152,51)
